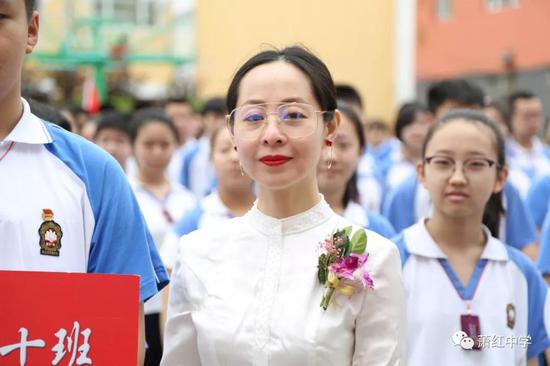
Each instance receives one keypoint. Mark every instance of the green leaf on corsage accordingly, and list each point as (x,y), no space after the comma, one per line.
(359,242)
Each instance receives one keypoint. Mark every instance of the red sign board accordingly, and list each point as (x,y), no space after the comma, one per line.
(68,319)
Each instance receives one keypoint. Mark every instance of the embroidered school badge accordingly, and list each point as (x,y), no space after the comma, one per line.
(510,316)
(50,234)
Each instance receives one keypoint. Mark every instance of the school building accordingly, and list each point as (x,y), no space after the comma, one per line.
(143,46)
(500,44)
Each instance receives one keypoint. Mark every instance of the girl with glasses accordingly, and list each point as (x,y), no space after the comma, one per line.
(337,175)
(471,300)
(248,292)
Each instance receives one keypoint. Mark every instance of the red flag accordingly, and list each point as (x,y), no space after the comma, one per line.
(90,94)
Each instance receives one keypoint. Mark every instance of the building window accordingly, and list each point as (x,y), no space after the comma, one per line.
(444,9)
(135,11)
(495,5)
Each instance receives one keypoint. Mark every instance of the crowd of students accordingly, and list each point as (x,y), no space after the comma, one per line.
(186,175)
(461,188)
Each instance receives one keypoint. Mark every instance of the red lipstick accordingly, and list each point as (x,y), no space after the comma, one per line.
(274,160)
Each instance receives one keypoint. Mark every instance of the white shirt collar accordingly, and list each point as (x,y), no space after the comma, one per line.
(29,129)
(303,221)
(420,242)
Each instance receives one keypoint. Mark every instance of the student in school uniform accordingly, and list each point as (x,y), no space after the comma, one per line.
(465,288)
(233,197)
(337,175)
(409,201)
(526,152)
(197,173)
(413,121)
(188,125)
(369,184)
(154,140)
(56,184)
(113,135)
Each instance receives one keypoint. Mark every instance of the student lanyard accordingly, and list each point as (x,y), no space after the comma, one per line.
(162,202)
(466,294)
(470,324)
(7,151)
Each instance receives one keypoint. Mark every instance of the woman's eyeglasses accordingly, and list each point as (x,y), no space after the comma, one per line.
(296,120)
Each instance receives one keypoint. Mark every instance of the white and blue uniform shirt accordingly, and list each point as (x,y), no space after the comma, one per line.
(533,163)
(174,169)
(368,184)
(358,215)
(160,216)
(400,169)
(197,173)
(538,199)
(503,279)
(543,260)
(406,204)
(92,212)
(210,211)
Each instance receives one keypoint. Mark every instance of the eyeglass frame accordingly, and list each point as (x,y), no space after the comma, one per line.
(428,160)
(228,116)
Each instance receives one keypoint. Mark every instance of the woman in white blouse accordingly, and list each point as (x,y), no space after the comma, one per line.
(247,292)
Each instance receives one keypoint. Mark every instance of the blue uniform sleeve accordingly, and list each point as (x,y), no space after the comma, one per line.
(404,253)
(538,198)
(121,242)
(399,205)
(379,224)
(189,222)
(520,228)
(537,303)
(188,156)
(543,260)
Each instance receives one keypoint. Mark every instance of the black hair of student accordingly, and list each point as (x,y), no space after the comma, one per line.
(352,192)
(214,105)
(406,115)
(145,116)
(348,94)
(459,90)
(30,6)
(316,71)
(74,109)
(176,100)
(49,113)
(514,97)
(113,120)
(494,207)
(377,124)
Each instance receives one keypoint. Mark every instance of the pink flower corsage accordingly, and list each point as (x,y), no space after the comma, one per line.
(340,265)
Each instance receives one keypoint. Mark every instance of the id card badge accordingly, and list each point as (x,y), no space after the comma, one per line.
(470,325)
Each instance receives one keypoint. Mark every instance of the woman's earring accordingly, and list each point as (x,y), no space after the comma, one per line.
(240,166)
(328,143)
(329,165)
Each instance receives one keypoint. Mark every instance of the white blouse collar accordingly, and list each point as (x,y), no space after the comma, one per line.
(303,221)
